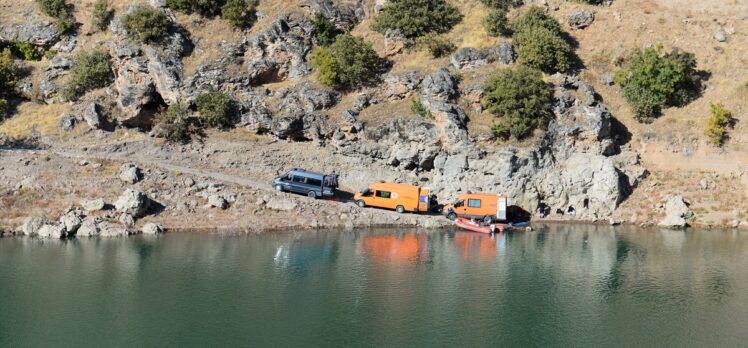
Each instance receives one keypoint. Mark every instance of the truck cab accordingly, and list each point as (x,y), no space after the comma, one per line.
(308,183)
(489,207)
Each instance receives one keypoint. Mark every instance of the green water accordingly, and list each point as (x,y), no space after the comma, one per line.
(562,285)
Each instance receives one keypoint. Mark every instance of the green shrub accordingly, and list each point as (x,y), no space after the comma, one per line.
(89,71)
(215,108)
(417,108)
(101,15)
(146,24)
(520,97)
(653,80)
(416,18)
(496,23)
(349,62)
(325,31)
(540,48)
(718,123)
(175,122)
(239,13)
(3,109)
(591,2)
(535,17)
(60,10)
(8,73)
(498,4)
(437,46)
(207,8)
(50,54)
(25,50)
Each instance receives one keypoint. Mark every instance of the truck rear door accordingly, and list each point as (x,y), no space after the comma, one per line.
(423,200)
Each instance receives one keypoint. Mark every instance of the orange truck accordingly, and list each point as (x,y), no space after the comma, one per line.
(489,207)
(400,197)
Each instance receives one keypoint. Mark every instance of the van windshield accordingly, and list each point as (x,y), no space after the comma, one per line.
(366,192)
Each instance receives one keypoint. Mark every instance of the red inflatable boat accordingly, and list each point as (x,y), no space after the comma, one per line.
(477,226)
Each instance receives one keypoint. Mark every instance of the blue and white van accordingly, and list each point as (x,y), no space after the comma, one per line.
(307,183)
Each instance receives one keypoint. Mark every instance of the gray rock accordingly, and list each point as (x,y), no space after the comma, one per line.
(55,231)
(93,204)
(255,116)
(130,173)
(468,57)
(133,202)
(152,229)
(341,15)
(720,35)
(91,116)
(503,53)
(89,227)
(281,51)
(60,62)
(39,33)
(281,204)
(67,44)
(401,86)
(110,230)
(31,225)
(607,79)
(67,122)
(394,42)
(581,19)
(72,220)
(677,213)
(217,201)
(126,220)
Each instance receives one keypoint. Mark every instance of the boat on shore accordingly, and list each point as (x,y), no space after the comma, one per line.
(479,227)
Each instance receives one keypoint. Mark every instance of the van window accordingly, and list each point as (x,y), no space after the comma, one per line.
(383,194)
(474,203)
(314,182)
(299,179)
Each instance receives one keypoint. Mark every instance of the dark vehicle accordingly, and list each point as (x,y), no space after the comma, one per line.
(308,183)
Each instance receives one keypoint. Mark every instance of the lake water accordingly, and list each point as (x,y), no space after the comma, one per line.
(557,286)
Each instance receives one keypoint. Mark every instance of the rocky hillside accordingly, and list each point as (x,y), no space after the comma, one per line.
(422,117)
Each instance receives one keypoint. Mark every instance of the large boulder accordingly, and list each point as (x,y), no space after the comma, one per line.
(92,204)
(72,220)
(130,173)
(677,213)
(401,86)
(31,225)
(111,229)
(281,51)
(468,57)
(89,227)
(52,231)
(343,16)
(37,32)
(152,229)
(281,204)
(133,202)
(581,19)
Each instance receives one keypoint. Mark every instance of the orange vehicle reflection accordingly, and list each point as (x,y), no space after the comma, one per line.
(472,244)
(393,248)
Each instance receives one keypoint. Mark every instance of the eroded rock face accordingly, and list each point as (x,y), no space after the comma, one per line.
(343,16)
(281,51)
(400,86)
(37,32)
(438,96)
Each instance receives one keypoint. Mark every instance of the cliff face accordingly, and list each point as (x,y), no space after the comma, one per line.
(592,156)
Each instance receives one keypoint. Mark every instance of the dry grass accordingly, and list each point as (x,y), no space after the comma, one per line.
(36,119)
(470,32)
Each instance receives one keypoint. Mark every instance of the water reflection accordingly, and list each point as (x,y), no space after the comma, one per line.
(561,285)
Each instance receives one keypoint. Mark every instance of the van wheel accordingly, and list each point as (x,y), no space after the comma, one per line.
(488,219)
(279,188)
(400,209)
(360,203)
(311,194)
(452,216)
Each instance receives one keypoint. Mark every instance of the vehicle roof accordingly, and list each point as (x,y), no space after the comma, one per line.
(482,194)
(302,172)
(392,186)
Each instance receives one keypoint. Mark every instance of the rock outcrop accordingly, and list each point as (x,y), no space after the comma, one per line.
(677,213)
(133,202)
(281,51)
(581,19)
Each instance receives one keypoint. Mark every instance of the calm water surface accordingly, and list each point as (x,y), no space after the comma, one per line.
(558,286)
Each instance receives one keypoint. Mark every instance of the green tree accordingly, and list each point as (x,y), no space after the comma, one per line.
(60,10)
(653,80)
(174,122)
(496,23)
(146,24)
(350,61)
(239,13)
(101,15)
(90,70)
(325,31)
(415,18)
(498,4)
(438,47)
(535,17)
(25,50)
(8,77)
(540,48)
(521,98)
(718,123)
(215,108)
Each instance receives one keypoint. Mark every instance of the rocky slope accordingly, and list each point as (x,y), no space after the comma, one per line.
(586,157)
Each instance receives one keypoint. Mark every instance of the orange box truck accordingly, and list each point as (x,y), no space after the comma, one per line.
(400,197)
(489,207)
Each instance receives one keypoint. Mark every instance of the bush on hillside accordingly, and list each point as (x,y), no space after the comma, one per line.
(89,71)
(718,123)
(521,99)
(496,23)
(591,2)
(653,80)
(438,47)
(146,24)
(498,4)
(214,107)
(206,8)
(3,109)
(8,78)
(25,50)
(239,13)
(101,15)
(325,31)
(539,42)
(174,123)
(349,62)
(419,109)
(415,18)
(540,48)
(60,10)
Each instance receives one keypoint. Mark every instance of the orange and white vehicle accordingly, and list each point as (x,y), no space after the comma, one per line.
(489,207)
(400,197)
